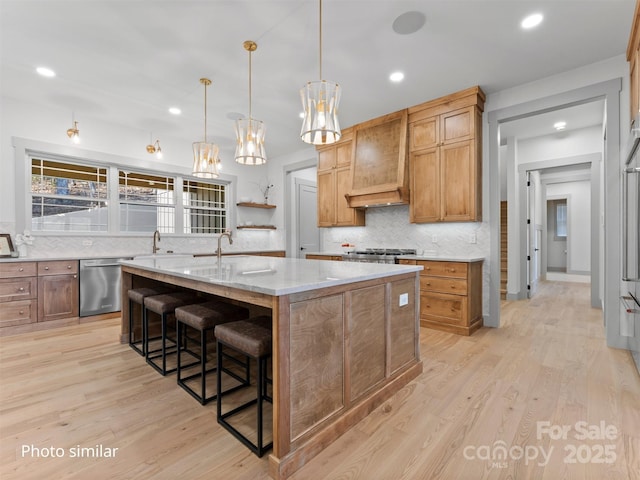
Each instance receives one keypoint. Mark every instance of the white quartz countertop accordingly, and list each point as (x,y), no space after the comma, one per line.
(37,258)
(269,275)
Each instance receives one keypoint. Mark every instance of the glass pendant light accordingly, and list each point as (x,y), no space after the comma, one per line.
(249,131)
(320,101)
(205,155)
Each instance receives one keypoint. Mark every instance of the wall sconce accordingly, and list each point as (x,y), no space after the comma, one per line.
(73,133)
(155,148)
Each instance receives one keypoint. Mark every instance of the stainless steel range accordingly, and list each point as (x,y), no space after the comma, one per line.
(377,255)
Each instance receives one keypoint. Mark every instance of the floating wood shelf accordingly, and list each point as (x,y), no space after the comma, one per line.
(256,227)
(255,205)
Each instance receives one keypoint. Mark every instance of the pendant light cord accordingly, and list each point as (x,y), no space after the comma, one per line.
(249,85)
(205,112)
(320,56)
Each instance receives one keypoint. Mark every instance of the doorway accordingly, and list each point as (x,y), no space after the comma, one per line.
(557,237)
(606,269)
(300,180)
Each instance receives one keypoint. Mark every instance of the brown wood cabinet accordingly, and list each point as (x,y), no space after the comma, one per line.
(450,295)
(445,161)
(57,290)
(633,57)
(334,182)
(337,258)
(18,293)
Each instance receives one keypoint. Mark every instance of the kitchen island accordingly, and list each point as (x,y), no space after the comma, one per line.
(345,336)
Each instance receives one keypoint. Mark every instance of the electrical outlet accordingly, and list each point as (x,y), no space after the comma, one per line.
(472,238)
(87,243)
(434,239)
(404,299)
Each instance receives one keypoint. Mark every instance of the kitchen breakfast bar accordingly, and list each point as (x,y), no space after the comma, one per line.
(345,336)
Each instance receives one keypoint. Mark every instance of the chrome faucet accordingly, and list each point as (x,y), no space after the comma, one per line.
(156,238)
(227,234)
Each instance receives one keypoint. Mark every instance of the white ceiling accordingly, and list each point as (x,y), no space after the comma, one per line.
(126,62)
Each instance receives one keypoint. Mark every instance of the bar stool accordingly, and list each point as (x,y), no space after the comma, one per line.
(204,317)
(137,295)
(164,305)
(251,338)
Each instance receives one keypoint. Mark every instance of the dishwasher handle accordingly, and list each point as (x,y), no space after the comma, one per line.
(98,265)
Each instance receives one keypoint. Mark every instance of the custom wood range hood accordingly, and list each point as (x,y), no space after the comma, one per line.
(379,169)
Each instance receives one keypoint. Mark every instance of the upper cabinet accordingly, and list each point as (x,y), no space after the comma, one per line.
(633,57)
(445,161)
(379,168)
(334,181)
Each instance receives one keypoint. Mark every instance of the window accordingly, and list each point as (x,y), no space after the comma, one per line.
(68,197)
(561,220)
(205,209)
(147,202)
(89,197)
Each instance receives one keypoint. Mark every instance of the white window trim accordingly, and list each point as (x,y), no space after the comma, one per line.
(25,149)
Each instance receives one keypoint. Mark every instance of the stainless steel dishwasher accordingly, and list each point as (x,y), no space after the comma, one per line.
(100,286)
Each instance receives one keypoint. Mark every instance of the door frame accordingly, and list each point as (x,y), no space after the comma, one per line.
(290,225)
(609,91)
(300,182)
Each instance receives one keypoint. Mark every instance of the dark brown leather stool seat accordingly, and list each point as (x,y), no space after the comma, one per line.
(203,317)
(137,295)
(252,338)
(165,305)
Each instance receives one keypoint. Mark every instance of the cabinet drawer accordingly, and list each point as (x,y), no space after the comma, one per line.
(18,269)
(456,286)
(453,307)
(17,313)
(12,289)
(444,269)
(57,267)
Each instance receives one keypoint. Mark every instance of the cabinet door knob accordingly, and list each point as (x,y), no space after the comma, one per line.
(428,284)
(21,269)
(69,267)
(75,276)
(428,268)
(21,312)
(21,289)
(46,268)
(452,270)
(453,286)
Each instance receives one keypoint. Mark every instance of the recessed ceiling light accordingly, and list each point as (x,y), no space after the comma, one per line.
(45,72)
(175,111)
(531,21)
(560,125)
(396,77)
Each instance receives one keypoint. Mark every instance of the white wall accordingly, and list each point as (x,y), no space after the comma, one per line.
(559,145)
(578,196)
(47,126)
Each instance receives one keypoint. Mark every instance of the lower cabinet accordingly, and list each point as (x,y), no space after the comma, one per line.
(311,256)
(450,295)
(18,293)
(57,292)
(33,292)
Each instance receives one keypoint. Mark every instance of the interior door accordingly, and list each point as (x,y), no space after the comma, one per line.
(533,245)
(307,212)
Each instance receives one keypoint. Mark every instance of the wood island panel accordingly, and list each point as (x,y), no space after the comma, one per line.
(366,339)
(317,362)
(403,330)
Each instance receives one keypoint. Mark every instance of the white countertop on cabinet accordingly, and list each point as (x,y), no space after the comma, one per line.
(269,275)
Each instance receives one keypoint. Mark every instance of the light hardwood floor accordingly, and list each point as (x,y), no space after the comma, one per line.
(76,386)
